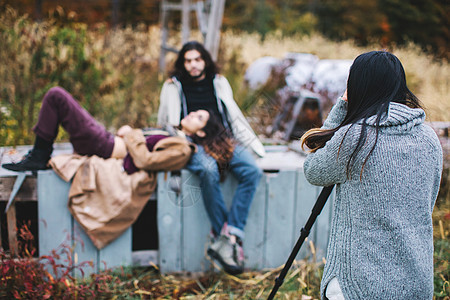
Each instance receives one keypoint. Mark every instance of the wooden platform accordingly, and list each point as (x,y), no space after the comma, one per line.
(281,206)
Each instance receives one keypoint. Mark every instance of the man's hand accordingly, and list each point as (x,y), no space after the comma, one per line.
(124,130)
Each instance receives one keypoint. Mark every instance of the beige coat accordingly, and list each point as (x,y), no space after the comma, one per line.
(103,198)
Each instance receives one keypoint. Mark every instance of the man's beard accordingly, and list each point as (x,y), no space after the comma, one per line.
(194,78)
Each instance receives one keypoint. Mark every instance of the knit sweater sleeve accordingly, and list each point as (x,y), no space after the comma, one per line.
(328,165)
(336,115)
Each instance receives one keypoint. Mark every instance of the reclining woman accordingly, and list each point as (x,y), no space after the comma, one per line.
(386,165)
(107,192)
(89,138)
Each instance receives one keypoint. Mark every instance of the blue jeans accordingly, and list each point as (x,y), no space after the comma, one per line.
(247,173)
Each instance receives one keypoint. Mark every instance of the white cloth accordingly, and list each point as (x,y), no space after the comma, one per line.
(333,291)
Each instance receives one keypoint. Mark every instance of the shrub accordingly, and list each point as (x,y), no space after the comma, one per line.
(51,276)
(442,269)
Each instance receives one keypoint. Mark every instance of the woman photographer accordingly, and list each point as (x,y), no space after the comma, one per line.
(386,165)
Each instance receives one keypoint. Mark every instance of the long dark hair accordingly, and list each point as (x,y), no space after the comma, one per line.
(376,78)
(217,142)
(180,72)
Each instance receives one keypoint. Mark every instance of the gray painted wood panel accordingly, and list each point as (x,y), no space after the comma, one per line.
(280,218)
(169,225)
(285,197)
(322,227)
(58,229)
(196,226)
(282,204)
(281,207)
(55,224)
(84,251)
(306,198)
(118,253)
(255,228)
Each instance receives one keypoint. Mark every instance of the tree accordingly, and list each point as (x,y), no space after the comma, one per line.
(423,22)
(347,19)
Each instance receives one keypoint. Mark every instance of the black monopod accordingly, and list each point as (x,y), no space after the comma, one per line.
(320,203)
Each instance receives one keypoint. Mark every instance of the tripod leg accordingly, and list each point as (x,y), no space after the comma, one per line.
(317,209)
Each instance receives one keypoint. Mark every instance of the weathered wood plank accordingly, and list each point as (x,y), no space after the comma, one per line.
(1,245)
(254,229)
(55,222)
(280,207)
(12,230)
(169,226)
(17,185)
(27,191)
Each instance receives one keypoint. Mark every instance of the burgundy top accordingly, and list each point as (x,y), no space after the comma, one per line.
(151,140)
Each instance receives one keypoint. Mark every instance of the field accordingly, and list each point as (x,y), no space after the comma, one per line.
(114,74)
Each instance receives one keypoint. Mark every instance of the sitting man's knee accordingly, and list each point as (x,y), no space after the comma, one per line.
(208,171)
(251,173)
(260,172)
(256,172)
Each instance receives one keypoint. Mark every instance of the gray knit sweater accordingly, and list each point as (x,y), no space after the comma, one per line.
(381,239)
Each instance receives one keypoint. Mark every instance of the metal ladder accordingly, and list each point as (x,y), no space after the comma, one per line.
(209,18)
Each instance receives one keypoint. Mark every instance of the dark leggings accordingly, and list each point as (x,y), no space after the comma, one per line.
(87,136)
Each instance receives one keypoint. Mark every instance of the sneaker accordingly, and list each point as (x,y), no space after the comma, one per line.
(212,237)
(32,161)
(229,255)
(240,253)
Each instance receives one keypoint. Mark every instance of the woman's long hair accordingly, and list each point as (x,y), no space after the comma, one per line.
(180,72)
(217,142)
(376,78)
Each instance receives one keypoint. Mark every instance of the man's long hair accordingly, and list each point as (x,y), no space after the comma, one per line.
(376,79)
(180,72)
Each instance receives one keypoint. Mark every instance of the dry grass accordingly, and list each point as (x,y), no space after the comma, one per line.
(302,282)
(115,71)
(428,78)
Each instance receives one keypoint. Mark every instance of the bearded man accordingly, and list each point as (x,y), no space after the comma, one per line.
(195,84)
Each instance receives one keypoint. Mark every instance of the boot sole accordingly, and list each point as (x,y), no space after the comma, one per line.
(14,169)
(227,268)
